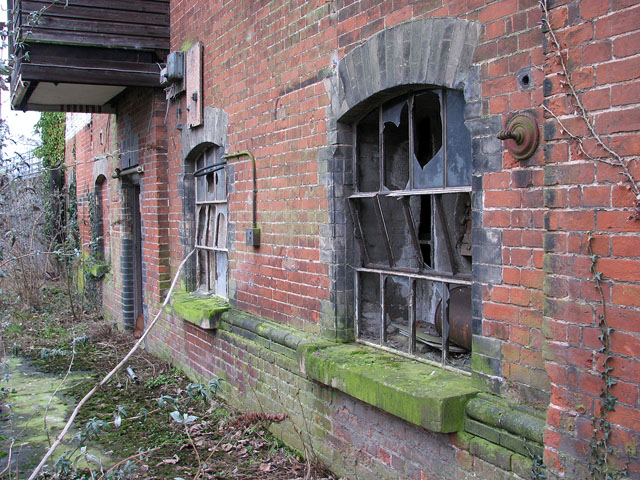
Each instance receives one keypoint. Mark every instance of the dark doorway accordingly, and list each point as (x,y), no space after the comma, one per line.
(131,260)
(137,252)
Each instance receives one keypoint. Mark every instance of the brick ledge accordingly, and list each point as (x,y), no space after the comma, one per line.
(418,393)
(421,394)
(203,311)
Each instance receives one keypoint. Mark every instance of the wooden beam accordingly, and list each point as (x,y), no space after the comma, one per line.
(65,74)
(98,39)
(108,14)
(65,24)
(148,6)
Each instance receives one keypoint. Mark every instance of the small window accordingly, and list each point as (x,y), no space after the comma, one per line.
(211,223)
(411,210)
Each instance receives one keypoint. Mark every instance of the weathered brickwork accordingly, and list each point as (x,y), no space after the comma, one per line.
(285,81)
(586,199)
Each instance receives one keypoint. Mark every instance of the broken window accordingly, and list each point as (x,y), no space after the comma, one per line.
(411,210)
(211,222)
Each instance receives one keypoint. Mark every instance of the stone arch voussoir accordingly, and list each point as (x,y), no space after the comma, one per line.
(432,51)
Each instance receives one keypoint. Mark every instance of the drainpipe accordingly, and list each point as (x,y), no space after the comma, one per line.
(253,233)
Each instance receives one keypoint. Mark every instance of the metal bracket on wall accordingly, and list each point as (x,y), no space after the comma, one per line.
(127,171)
(521,136)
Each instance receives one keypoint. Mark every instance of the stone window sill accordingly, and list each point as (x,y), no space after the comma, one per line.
(204,311)
(422,394)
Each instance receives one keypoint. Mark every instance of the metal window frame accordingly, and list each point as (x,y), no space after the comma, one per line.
(445,280)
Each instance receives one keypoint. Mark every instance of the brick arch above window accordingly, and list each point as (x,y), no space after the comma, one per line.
(212,132)
(431,51)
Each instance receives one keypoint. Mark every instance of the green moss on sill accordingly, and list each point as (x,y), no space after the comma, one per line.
(96,270)
(416,392)
(203,311)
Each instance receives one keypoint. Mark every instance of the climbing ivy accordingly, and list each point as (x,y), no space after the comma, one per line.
(51,129)
(600,449)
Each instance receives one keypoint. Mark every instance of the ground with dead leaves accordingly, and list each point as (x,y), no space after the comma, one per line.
(155,424)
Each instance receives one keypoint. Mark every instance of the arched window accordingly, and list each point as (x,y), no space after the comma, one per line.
(100,226)
(211,222)
(411,210)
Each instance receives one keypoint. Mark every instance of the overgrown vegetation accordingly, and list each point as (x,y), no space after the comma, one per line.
(156,423)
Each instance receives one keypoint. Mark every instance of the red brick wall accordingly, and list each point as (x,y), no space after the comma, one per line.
(89,145)
(586,198)
(92,153)
(264,64)
(143,111)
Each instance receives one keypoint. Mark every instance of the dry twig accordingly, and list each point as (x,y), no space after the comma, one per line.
(64,431)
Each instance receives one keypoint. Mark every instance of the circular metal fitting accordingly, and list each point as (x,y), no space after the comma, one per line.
(521,136)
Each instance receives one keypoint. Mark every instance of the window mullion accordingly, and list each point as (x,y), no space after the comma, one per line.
(383,330)
(381,161)
(412,317)
(411,146)
(206,236)
(445,321)
(356,289)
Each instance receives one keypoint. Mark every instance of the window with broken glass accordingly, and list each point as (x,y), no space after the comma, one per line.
(411,210)
(211,222)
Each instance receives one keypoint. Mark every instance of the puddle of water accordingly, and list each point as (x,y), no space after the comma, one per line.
(22,416)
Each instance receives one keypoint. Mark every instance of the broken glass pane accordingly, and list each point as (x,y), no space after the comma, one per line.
(211,232)
(427,140)
(202,225)
(201,182)
(372,231)
(428,340)
(221,185)
(452,219)
(403,244)
(220,239)
(369,307)
(458,142)
(202,265)
(395,118)
(422,213)
(368,153)
(397,292)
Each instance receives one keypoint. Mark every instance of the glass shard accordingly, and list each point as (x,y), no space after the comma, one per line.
(396,312)
(458,142)
(395,117)
(428,159)
(369,308)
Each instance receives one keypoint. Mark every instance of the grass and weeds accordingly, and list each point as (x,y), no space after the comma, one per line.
(159,425)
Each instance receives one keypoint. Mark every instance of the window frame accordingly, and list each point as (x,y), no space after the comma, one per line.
(212,163)
(445,281)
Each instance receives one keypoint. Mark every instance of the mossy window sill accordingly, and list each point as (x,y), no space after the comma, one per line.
(204,311)
(422,394)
